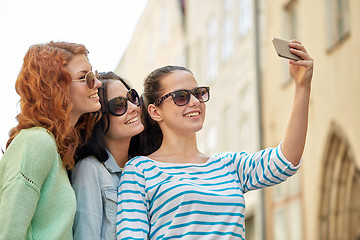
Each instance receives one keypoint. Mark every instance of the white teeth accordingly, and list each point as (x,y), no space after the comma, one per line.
(95,95)
(193,114)
(132,120)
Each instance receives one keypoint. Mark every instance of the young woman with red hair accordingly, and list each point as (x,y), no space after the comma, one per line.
(57,86)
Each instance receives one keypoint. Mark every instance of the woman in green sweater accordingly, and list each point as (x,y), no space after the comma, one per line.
(56,86)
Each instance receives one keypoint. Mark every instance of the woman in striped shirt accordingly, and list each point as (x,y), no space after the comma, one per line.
(179,192)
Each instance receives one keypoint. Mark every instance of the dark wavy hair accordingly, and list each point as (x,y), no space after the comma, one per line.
(151,138)
(95,145)
(44,88)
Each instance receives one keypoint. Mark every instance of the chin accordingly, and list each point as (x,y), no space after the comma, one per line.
(139,129)
(197,128)
(95,108)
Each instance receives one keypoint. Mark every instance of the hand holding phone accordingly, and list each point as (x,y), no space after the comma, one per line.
(283,50)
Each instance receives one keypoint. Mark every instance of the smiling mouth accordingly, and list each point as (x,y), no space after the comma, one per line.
(135,119)
(93,96)
(192,114)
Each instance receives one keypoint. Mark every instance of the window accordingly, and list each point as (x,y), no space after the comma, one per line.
(211,140)
(290,31)
(229,128)
(245,17)
(291,20)
(212,58)
(338,21)
(287,210)
(227,30)
(150,50)
(250,228)
(245,103)
(280,224)
(164,34)
(340,190)
(227,46)
(228,5)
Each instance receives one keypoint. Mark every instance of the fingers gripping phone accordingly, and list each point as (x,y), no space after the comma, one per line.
(283,50)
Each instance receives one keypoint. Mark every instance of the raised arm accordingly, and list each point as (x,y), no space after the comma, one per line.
(295,133)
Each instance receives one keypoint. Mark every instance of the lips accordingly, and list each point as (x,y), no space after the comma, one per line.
(94,96)
(132,120)
(192,114)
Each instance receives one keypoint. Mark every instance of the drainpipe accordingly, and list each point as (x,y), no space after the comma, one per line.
(259,101)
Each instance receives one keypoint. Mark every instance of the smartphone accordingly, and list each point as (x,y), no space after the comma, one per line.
(283,50)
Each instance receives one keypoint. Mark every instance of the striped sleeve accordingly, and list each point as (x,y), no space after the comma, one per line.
(262,169)
(132,214)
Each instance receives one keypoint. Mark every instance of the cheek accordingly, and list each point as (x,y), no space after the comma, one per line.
(76,91)
(72,92)
(203,110)
(115,126)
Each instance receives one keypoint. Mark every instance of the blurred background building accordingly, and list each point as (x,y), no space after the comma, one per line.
(227,44)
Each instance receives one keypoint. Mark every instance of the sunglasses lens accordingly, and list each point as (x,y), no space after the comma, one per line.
(201,93)
(118,106)
(133,97)
(90,80)
(181,97)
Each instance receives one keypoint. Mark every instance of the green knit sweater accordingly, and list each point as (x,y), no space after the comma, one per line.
(36,197)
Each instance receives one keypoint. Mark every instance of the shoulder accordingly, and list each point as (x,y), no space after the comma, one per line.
(88,162)
(34,151)
(137,161)
(35,143)
(37,133)
(229,155)
(36,137)
(138,164)
(87,166)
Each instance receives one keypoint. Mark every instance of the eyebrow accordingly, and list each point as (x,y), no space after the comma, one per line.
(83,72)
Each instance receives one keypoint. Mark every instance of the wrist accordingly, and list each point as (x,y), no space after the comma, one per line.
(303,87)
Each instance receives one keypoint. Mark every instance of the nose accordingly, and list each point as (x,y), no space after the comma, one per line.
(97,83)
(193,100)
(132,107)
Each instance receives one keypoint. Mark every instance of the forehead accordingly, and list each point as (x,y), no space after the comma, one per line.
(78,63)
(116,88)
(179,79)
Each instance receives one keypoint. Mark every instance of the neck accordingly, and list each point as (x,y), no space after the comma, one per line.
(119,150)
(179,149)
(74,118)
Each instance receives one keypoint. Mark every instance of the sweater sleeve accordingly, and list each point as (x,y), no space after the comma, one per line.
(132,214)
(89,210)
(24,167)
(263,169)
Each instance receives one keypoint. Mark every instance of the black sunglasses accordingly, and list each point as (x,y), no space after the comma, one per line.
(118,106)
(182,97)
(89,77)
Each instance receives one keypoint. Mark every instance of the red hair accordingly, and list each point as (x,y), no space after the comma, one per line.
(44,88)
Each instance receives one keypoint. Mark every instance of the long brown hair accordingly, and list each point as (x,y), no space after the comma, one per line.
(44,88)
(95,145)
(151,138)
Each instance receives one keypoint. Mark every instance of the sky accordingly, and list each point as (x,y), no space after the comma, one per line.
(104,27)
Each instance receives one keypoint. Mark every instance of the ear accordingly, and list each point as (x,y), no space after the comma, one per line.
(154,113)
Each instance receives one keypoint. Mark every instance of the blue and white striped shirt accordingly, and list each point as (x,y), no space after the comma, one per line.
(203,201)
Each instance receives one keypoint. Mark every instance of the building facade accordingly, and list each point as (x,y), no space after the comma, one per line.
(158,40)
(322,202)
